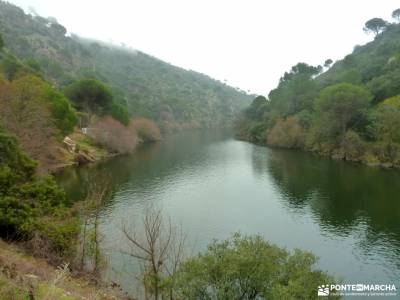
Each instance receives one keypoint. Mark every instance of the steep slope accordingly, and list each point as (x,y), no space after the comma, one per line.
(147,86)
(349,111)
(376,65)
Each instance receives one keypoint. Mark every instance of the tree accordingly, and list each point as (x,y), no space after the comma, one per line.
(257,108)
(1,43)
(120,113)
(99,191)
(90,95)
(248,267)
(375,25)
(396,14)
(328,62)
(161,250)
(386,121)
(339,104)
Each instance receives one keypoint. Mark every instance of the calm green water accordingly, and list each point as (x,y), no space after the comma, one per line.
(213,185)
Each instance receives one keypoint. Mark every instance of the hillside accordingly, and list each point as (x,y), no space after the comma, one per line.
(347,110)
(147,86)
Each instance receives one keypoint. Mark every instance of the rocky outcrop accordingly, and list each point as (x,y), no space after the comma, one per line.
(84,157)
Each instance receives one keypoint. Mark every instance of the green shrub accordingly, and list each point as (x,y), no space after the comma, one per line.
(10,66)
(28,203)
(120,113)
(352,146)
(64,114)
(248,267)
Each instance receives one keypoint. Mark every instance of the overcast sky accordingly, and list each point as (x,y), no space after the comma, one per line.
(248,43)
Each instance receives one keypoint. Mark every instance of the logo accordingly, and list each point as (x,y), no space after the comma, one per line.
(358,289)
(323,290)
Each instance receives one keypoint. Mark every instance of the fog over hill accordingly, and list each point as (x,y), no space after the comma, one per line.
(146,85)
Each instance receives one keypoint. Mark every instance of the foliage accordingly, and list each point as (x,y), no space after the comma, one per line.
(352,146)
(385,121)
(1,42)
(328,63)
(287,133)
(62,111)
(295,92)
(257,108)
(375,25)
(120,113)
(90,95)
(339,106)
(37,114)
(10,66)
(26,202)
(146,129)
(248,267)
(349,111)
(396,14)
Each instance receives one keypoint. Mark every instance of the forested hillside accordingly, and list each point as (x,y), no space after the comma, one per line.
(147,86)
(348,110)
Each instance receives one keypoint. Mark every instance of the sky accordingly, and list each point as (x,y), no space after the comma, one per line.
(247,43)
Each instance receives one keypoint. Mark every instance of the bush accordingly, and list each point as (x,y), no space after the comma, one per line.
(114,136)
(120,113)
(287,133)
(257,132)
(10,67)
(352,146)
(248,267)
(146,129)
(25,201)
(65,116)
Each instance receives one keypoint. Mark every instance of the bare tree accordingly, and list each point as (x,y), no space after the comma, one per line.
(160,247)
(98,192)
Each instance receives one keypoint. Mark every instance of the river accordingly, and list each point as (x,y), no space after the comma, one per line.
(213,185)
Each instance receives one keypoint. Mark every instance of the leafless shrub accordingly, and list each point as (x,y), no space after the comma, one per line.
(113,135)
(98,192)
(146,129)
(160,248)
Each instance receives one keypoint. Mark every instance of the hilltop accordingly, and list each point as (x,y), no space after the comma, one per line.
(347,110)
(145,85)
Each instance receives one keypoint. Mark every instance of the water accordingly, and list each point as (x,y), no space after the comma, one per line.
(213,185)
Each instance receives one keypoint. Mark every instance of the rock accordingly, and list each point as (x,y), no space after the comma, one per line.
(84,158)
(387,165)
(70,144)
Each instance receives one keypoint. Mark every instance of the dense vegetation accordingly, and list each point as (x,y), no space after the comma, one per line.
(32,208)
(144,85)
(348,110)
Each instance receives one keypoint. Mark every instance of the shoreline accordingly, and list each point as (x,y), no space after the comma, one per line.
(381,165)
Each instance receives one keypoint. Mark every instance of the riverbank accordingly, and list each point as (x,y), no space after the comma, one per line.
(23,276)
(369,154)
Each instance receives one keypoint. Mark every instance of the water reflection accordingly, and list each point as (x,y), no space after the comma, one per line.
(347,214)
(341,196)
